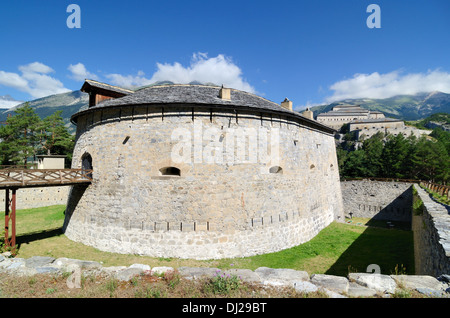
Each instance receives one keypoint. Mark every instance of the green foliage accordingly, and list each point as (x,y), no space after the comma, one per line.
(2,241)
(20,136)
(55,136)
(26,135)
(417,203)
(421,158)
(223,283)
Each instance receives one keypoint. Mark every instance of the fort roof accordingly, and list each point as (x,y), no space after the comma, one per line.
(91,85)
(375,120)
(192,95)
(337,114)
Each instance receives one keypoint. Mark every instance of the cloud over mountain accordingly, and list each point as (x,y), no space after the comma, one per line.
(34,80)
(378,85)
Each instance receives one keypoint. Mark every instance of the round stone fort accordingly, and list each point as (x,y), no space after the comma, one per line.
(201,172)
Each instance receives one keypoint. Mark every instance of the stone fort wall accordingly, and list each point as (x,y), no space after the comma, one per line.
(212,210)
(28,198)
(431,226)
(377,199)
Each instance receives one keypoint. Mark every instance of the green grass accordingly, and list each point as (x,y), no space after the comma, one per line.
(338,249)
(440,198)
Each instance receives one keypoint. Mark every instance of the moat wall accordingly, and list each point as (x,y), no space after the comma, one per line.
(391,201)
(431,226)
(28,198)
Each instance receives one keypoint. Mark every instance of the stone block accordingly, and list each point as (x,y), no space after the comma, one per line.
(305,287)
(276,276)
(38,261)
(418,281)
(378,282)
(334,283)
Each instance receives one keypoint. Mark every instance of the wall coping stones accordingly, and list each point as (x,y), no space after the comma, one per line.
(355,285)
(338,284)
(379,282)
(438,216)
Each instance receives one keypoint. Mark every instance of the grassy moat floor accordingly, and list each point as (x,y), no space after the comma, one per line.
(340,248)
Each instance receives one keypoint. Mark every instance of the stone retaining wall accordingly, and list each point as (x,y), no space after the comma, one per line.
(377,199)
(355,285)
(431,226)
(29,198)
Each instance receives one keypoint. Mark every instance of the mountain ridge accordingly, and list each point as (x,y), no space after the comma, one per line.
(404,107)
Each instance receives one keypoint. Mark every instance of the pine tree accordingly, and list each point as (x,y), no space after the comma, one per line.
(55,139)
(373,150)
(20,136)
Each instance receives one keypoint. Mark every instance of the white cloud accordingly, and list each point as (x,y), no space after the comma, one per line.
(80,73)
(218,70)
(35,67)
(129,80)
(377,85)
(34,80)
(9,103)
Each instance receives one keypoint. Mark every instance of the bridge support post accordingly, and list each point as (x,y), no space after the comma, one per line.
(10,217)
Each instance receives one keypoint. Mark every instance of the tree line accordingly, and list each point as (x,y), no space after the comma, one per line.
(389,156)
(25,135)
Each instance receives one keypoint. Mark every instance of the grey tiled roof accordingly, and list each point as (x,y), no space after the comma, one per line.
(191,94)
(200,95)
(105,86)
(375,120)
(337,114)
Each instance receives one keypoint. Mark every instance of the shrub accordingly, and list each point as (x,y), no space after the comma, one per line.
(223,283)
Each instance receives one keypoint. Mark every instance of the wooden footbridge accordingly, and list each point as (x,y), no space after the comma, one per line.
(13,179)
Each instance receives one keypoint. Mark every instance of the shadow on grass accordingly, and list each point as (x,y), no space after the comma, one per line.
(37,236)
(391,249)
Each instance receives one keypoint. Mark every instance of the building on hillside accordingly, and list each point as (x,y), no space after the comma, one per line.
(202,172)
(366,122)
(366,128)
(344,114)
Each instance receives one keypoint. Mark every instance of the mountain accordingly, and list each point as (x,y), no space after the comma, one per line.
(69,103)
(441,120)
(405,107)
(7,101)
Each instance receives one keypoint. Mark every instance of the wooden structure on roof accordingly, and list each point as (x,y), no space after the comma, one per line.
(99,92)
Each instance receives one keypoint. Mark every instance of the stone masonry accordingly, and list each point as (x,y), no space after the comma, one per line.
(28,198)
(219,209)
(354,285)
(377,199)
(431,226)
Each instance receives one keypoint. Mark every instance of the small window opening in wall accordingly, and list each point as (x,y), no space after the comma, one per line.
(86,163)
(276,169)
(170,171)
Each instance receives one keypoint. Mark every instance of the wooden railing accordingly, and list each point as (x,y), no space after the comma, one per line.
(22,178)
(443,190)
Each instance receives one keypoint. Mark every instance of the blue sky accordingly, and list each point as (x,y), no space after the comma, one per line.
(311,52)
